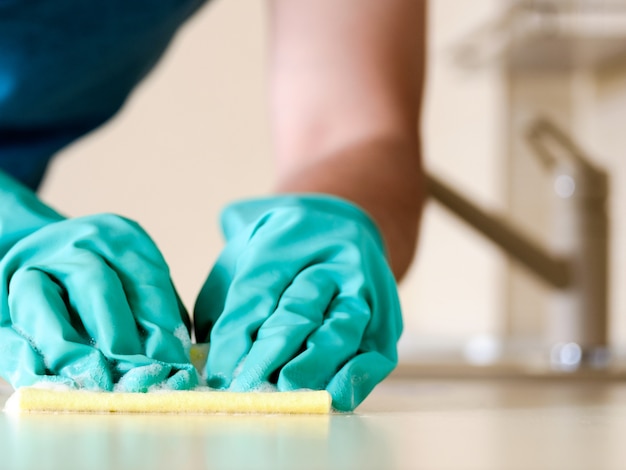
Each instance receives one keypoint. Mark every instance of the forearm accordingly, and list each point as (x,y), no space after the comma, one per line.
(346,80)
(382,177)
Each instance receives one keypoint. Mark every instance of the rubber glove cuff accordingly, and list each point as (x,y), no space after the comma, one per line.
(239,215)
(21,212)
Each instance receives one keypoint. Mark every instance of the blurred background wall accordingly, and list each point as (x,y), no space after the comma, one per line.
(195,135)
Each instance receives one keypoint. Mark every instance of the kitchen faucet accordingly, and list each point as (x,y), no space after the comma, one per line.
(576,266)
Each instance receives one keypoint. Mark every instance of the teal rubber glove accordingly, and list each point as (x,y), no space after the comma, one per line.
(87,302)
(302,296)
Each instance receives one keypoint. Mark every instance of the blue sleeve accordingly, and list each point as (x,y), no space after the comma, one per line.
(67,66)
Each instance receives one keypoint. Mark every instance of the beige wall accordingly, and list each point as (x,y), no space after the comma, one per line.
(195,136)
(453,292)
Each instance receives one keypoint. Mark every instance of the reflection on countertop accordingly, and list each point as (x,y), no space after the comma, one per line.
(404,424)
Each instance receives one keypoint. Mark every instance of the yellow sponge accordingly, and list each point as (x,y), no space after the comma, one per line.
(70,401)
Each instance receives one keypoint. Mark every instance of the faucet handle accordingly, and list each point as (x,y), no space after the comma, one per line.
(556,149)
(539,134)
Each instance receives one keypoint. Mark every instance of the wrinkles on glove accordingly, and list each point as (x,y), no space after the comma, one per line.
(89,303)
(302,296)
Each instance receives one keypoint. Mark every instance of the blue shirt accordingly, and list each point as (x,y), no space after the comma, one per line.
(67,66)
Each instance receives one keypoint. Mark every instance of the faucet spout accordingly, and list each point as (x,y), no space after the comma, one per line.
(554,270)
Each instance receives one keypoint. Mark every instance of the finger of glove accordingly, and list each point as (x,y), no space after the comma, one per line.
(100,299)
(152,299)
(184,314)
(142,272)
(353,383)
(183,379)
(251,299)
(142,378)
(96,296)
(39,313)
(300,311)
(210,302)
(233,260)
(329,347)
(166,338)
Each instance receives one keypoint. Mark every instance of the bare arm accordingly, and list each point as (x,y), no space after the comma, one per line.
(346,80)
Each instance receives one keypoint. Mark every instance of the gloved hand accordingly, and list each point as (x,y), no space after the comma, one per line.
(87,302)
(302,296)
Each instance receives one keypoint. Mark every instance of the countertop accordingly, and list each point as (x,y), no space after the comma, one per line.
(405,424)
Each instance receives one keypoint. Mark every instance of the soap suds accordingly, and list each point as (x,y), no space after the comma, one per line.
(263,387)
(31,343)
(52,385)
(140,379)
(182,335)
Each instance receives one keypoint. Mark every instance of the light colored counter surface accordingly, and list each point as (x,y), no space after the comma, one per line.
(430,424)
